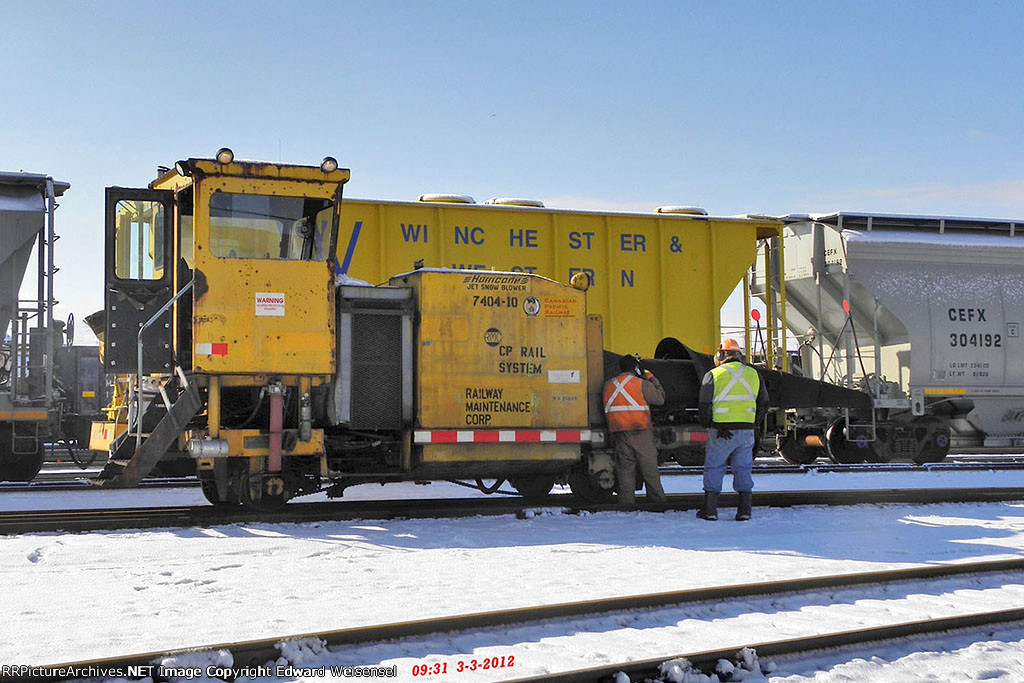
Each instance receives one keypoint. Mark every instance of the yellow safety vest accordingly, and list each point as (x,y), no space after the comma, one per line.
(736,388)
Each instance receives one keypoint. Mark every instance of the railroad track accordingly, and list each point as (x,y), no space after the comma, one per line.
(82,484)
(958,464)
(62,481)
(706,660)
(253,653)
(16,522)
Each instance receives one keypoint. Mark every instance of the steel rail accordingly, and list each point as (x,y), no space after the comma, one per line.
(259,651)
(786,468)
(81,484)
(705,660)
(62,482)
(207,515)
(669,471)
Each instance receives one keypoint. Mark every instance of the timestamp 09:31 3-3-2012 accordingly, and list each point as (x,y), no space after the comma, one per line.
(463,665)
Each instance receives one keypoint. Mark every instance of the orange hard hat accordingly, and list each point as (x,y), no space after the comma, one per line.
(730,346)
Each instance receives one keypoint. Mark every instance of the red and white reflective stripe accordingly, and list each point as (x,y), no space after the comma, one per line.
(501,436)
(694,437)
(219,349)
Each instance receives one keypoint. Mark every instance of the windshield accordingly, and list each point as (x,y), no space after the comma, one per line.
(269,227)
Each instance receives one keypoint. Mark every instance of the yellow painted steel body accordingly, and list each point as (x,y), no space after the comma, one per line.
(508,457)
(498,350)
(256,442)
(24,414)
(653,275)
(270,315)
(102,434)
(255,312)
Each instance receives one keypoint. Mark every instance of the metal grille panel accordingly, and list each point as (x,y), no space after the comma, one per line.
(376,371)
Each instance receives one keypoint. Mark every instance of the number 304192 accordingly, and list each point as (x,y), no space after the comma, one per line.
(979,340)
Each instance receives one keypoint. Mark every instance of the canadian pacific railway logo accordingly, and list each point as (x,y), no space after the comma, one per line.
(531,306)
(492,337)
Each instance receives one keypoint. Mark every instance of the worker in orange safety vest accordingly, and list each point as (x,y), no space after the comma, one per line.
(628,398)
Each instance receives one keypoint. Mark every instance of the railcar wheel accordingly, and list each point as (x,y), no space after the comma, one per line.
(18,466)
(209,488)
(841,450)
(881,449)
(585,487)
(933,439)
(793,450)
(536,487)
(263,493)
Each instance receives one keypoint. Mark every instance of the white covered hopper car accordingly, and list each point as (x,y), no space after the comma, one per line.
(932,328)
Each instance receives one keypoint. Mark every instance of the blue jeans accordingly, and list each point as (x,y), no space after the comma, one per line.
(737,451)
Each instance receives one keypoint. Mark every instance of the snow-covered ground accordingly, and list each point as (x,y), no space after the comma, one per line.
(69,597)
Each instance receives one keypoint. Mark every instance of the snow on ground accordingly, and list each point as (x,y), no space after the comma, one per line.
(70,597)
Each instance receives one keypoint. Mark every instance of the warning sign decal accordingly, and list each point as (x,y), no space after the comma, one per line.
(270,303)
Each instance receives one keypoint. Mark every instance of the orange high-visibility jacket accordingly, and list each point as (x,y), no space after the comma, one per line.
(625,405)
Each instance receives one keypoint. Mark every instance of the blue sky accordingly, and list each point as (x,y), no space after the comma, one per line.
(738,107)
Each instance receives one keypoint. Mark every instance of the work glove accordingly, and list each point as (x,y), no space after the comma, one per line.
(724,433)
(639,370)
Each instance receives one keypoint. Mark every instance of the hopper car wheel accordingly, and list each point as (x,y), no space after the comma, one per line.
(793,451)
(881,449)
(536,487)
(840,450)
(585,488)
(18,466)
(932,439)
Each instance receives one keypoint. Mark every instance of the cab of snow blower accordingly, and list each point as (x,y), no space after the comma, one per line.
(218,319)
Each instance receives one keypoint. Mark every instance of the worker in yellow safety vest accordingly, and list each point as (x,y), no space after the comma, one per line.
(732,403)
(628,398)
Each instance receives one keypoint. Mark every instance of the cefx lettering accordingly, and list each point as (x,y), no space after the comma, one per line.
(967,315)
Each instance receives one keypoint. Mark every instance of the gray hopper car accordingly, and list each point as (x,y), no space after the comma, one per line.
(933,327)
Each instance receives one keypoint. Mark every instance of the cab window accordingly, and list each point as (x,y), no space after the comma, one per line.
(269,227)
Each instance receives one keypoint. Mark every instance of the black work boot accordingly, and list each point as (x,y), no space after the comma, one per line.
(710,509)
(743,509)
